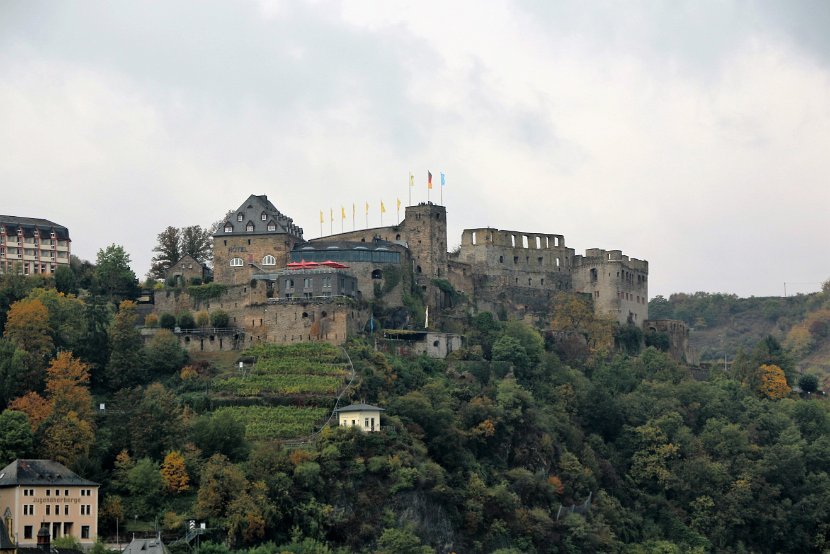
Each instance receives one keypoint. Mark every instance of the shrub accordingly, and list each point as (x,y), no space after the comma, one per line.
(808,382)
(186,320)
(202,319)
(219,318)
(167,321)
(152,320)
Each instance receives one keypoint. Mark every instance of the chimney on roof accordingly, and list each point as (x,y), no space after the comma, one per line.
(43,539)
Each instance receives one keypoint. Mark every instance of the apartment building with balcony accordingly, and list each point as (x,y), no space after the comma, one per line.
(32,246)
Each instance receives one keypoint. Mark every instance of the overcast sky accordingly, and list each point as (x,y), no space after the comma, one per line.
(695,135)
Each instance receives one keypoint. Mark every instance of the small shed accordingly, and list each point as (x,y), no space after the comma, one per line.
(364,416)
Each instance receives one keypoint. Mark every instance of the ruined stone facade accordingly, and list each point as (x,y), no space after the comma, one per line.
(678,334)
(617,283)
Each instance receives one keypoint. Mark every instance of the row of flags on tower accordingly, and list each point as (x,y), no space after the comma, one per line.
(343,216)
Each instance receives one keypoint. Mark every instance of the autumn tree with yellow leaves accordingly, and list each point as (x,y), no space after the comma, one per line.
(772,383)
(174,473)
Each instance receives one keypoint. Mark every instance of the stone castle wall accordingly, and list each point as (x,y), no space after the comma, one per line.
(251,249)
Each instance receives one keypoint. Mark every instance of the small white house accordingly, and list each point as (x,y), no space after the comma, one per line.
(364,416)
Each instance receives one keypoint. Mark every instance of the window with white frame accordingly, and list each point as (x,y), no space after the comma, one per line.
(272,227)
(269,260)
(239,217)
(250,227)
(263,216)
(236,262)
(228,228)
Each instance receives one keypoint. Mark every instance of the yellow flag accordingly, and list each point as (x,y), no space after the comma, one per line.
(411,179)
(399,204)
(331,213)
(321,216)
(367,208)
(354,210)
(342,212)
(382,207)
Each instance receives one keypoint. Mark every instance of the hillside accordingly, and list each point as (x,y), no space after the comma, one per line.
(722,324)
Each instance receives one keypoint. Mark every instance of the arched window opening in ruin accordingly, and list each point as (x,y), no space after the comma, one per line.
(398,236)
(556,241)
(436,344)
(593,274)
(363,240)
(305,314)
(377,274)
(557,262)
(437,216)
(323,313)
(501,259)
(524,241)
(513,241)
(418,269)
(538,243)
(474,237)
(547,242)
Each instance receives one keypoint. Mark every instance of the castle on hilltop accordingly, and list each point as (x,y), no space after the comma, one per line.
(279,287)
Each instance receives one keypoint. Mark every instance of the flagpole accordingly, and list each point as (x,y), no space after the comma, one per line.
(442,189)
(381,213)
(353,216)
(331,221)
(410,188)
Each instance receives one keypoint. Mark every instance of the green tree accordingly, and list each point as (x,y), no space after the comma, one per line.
(197,242)
(113,274)
(221,482)
(144,485)
(163,355)
(220,433)
(156,423)
(808,382)
(16,438)
(167,321)
(94,346)
(66,317)
(65,280)
(219,318)
(14,370)
(126,363)
(168,252)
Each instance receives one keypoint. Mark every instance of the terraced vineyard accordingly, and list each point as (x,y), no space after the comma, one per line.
(277,422)
(308,373)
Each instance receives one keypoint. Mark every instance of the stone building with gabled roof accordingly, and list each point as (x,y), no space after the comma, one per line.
(34,493)
(37,246)
(254,237)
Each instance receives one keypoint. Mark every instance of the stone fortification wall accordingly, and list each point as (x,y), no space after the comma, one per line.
(292,321)
(617,283)
(678,333)
(235,297)
(391,233)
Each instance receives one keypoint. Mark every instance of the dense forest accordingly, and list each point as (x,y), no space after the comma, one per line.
(578,440)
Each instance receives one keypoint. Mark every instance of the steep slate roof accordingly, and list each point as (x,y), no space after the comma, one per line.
(146,546)
(40,472)
(29,224)
(251,211)
(360,408)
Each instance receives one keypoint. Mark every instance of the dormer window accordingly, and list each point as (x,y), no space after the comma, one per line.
(228,228)
(250,227)
(269,260)
(272,226)
(263,216)
(239,217)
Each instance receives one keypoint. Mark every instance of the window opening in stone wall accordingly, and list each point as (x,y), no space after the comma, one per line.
(538,243)
(543,282)
(524,241)
(418,269)
(593,274)
(557,262)
(398,236)
(539,259)
(474,237)
(556,241)
(377,274)
(513,241)
(269,260)
(501,259)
